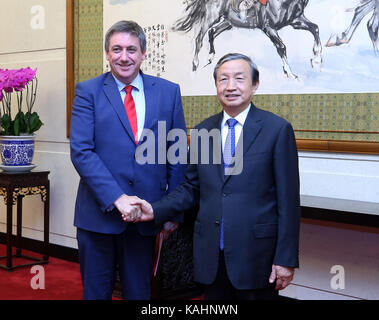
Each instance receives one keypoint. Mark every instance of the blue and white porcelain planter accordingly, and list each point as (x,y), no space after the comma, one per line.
(17,150)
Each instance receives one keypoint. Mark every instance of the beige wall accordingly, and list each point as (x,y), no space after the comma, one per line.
(32,25)
(36,36)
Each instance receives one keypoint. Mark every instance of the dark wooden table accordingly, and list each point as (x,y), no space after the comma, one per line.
(14,187)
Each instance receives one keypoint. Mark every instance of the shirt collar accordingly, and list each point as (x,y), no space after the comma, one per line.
(241,117)
(136,83)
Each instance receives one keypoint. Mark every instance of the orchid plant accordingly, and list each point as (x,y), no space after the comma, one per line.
(21,83)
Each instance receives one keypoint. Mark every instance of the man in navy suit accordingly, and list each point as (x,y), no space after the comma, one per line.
(110,114)
(246,233)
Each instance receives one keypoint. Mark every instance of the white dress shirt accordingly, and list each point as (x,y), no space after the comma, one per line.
(241,118)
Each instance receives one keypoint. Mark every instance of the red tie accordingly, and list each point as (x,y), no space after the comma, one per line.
(131,111)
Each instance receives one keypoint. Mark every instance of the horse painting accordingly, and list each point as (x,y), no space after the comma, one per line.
(213,17)
(360,11)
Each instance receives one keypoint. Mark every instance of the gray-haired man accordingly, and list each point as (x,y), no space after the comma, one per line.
(246,234)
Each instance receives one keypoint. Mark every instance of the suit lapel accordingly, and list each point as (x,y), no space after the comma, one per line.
(251,128)
(250,131)
(113,95)
(213,168)
(217,125)
(151,97)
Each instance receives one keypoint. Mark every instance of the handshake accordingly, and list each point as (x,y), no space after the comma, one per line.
(134,209)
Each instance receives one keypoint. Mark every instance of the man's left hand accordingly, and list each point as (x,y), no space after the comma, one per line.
(282,275)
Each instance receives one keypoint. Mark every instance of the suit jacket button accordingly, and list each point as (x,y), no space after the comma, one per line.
(130,183)
(217,223)
(224,194)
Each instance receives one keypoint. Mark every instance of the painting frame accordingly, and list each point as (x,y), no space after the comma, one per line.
(70,51)
(344,146)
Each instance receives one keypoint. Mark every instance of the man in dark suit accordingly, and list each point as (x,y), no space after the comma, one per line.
(246,234)
(110,116)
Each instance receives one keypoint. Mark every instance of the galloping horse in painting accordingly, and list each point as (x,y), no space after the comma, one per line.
(216,16)
(360,11)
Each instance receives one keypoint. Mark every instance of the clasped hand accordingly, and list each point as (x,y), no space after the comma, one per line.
(134,209)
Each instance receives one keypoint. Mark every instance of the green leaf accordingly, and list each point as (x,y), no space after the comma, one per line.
(35,122)
(23,124)
(5,122)
(20,124)
(16,127)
